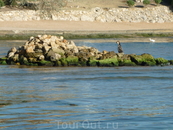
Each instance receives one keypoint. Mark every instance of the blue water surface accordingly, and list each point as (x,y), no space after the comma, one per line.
(80,98)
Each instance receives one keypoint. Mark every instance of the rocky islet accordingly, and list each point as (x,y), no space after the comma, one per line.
(49,50)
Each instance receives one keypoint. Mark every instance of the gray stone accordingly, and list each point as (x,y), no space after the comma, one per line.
(10,54)
(50,53)
(41,57)
(55,57)
(46,48)
(16,58)
(58,50)
(29,49)
(13,49)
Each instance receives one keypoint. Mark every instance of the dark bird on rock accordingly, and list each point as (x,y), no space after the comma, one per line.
(120,49)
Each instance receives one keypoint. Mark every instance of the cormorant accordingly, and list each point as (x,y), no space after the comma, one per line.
(120,50)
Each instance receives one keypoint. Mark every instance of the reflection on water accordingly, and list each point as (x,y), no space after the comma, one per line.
(88,97)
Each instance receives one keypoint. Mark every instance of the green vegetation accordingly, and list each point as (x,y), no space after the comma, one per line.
(128,60)
(157,1)
(144,60)
(93,62)
(161,61)
(3,61)
(86,35)
(146,2)
(108,62)
(72,60)
(63,62)
(96,35)
(152,35)
(45,6)
(124,62)
(1,3)
(14,37)
(130,3)
(55,5)
(10,2)
(45,63)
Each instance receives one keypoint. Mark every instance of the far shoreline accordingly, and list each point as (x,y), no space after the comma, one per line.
(130,34)
(22,30)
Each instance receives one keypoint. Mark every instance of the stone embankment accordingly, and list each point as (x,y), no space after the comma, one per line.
(47,50)
(19,15)
(155,14)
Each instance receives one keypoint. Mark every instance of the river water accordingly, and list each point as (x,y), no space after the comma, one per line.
(80,98)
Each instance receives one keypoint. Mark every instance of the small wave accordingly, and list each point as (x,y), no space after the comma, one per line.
(49,78)
(122,77)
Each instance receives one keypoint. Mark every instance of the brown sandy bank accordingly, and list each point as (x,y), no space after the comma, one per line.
(80,26)
(71,30)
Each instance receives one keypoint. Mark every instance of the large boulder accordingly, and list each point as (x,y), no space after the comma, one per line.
(144,59)
(162,61)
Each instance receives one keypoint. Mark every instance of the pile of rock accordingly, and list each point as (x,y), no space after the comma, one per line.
(53,49)
(47,50)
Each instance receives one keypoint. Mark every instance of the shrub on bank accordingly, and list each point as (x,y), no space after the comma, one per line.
(157,1)
(10,2)
(130,3)
(1,3)
(146,2)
